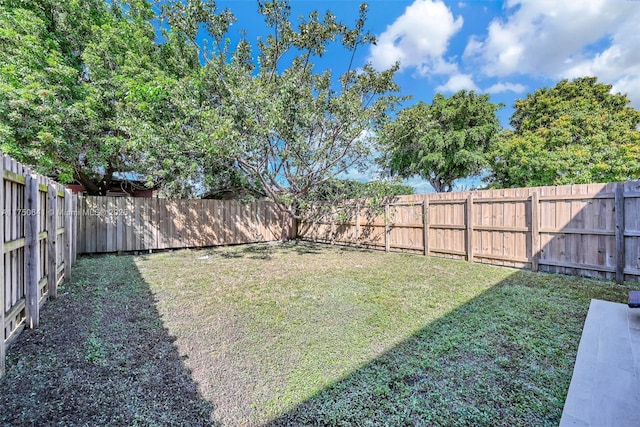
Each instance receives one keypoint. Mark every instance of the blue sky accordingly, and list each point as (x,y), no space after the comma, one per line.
(505,48)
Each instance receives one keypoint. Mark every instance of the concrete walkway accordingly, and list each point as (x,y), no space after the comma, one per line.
(605,387)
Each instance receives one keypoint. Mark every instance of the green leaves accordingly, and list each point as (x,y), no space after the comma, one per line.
(89,92)
(442,142)
(574,133)
(292,127)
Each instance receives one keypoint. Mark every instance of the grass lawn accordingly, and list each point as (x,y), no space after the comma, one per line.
(298,334)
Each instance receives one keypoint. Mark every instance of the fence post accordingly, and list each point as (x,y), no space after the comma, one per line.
(620,255)
(52,237)
(2,289)
(68,233)
(81,226)
(314,229)
(294,225)
(469,218)
(387,228)
(74,225)
(425,226)
(31,251)
(535,231)
(357,242)
(333,224)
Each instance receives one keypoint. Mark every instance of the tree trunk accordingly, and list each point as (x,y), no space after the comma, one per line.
(93,187)
(289,223)
(286,226)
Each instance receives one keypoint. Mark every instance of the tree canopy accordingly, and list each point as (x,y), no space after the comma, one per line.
(281,121)
(573,133)
(85,89)
(441,142)
(94,89)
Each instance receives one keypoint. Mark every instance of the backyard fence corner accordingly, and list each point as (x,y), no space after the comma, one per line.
(37,246)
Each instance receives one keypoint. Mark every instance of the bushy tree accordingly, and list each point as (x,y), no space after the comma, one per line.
(573,133)
(90,92)
(285,124)
(441,142)
(86,92)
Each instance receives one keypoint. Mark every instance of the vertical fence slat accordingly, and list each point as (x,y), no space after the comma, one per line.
(68,233)
(387,228)
(425,226)
(32,252)
(535,231)
(51,211)
(619,208)
(469,224)
(357,237)
(3,289)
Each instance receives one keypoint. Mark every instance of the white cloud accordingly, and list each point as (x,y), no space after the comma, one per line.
(418,39)
(564,39)
(629,85)
(506,87)
(458,82)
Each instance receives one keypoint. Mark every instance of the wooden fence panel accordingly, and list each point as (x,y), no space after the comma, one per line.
(573,229)
(125,224)
(405,226)
(632,229)
(14,307)
(447,227)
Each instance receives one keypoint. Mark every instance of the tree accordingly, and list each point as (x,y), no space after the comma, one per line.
(37,85)
(573,133)
(283,123)
(441,142)
(85,92)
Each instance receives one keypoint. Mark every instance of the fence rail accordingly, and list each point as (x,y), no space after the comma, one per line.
(590,230)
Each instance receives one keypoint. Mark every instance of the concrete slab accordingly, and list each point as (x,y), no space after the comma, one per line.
(605,386)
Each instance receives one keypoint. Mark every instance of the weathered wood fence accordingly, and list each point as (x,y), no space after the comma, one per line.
(119,224)
(591,230)
(38,244)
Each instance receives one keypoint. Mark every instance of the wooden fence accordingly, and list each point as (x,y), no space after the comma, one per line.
(38,244)
(118,224)
(590,230)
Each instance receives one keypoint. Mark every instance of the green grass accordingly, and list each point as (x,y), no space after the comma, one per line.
(336,336)
(298,334)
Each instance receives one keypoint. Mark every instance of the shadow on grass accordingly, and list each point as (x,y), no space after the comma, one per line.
(263,251)
(101,356)
(503,358)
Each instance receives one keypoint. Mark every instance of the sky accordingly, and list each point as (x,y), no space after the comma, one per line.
(506,48)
